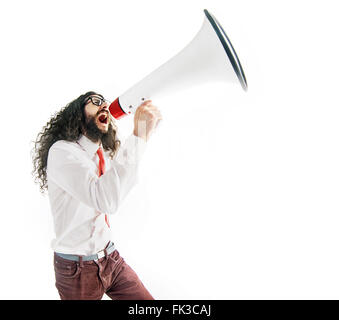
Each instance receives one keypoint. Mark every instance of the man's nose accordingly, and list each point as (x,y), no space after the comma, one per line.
(104,106)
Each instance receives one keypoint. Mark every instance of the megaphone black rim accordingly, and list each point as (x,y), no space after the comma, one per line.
(226,43)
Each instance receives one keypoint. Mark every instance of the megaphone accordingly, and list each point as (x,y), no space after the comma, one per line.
(209,57)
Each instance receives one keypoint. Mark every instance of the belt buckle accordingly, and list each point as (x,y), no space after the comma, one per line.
(100,254)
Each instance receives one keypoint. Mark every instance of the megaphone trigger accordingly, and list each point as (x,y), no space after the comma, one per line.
(157,126)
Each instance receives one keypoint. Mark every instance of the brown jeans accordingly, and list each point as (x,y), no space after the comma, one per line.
(89,280)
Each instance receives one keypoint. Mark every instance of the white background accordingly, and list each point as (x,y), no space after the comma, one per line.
(238,197)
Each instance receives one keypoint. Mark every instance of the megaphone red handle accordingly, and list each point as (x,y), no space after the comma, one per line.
(116,110)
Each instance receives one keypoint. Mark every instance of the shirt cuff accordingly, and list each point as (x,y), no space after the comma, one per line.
(132,150)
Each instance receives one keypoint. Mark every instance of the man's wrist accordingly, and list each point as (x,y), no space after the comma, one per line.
(141,137)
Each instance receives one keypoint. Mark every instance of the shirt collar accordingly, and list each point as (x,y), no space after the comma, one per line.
(89,146)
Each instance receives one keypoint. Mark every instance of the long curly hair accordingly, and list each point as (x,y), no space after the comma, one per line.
(67,124)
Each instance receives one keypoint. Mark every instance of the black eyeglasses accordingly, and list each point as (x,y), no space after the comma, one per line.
(98,101)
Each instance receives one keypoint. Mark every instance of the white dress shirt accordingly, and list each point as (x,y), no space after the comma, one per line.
(79,198)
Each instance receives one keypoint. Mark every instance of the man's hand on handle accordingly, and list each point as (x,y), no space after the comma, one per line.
(146,119)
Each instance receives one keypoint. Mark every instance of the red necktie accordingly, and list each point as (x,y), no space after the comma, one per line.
(101,172)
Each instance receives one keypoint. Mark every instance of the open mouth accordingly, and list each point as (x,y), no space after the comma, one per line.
(103,118)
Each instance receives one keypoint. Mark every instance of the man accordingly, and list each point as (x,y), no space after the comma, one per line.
(88,173)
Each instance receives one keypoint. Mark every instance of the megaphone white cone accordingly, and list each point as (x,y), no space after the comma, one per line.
(209,57)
